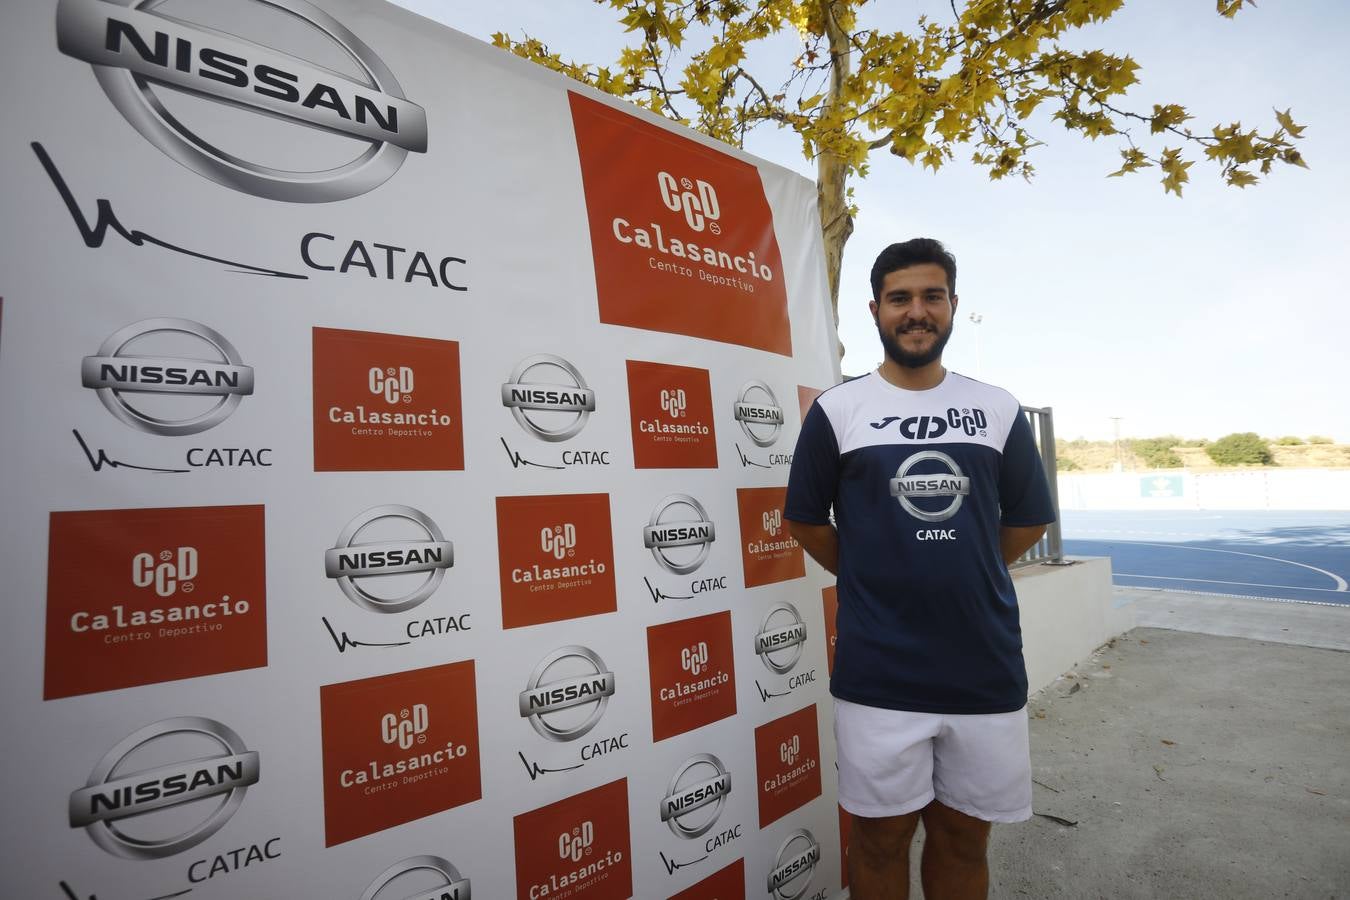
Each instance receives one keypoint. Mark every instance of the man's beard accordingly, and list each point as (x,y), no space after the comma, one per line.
(914,360)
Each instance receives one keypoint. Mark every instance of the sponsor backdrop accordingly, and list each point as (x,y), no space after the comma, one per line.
(394,449)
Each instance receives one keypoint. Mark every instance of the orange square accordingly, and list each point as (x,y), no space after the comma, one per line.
(672,416)
(398,748)
(385,403)
(576,848)
(787,764)
(682,234)
(805,397)
(556,556)
(693,673)
(140,596)
(830,596)
(768,553)
(725,884)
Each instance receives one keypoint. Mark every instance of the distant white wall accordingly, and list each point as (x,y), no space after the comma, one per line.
(1183,489)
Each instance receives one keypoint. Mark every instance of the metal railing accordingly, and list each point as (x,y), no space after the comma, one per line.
(1049,550)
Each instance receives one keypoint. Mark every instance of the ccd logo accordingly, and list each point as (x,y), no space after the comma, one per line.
(392,384)
(406,728)
(577,843)
(788,751)
(560,540)
(696,199)
(694,659)
(674,403)
(173,571)
(773,522)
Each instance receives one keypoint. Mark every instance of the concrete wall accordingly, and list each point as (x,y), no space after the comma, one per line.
(1067,612)
(1232,489)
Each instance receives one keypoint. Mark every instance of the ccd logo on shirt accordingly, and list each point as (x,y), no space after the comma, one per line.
(696,199)
(173,572)
(392,384)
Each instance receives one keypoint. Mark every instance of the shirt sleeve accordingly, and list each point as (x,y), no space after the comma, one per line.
(1023,494)
(814,478)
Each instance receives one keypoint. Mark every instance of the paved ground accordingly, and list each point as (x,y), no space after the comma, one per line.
(1177,764)
(1303,556)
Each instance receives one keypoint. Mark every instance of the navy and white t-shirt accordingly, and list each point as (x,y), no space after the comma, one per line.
(920,482)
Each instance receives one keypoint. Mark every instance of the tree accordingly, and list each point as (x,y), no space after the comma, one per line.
(851,89)
(1157,453)
(1244,448)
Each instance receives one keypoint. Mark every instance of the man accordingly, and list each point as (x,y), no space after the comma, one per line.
(936,487)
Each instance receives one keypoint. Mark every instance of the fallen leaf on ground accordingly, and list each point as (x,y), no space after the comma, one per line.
(1318,793)
(1059,820)
(1169,743)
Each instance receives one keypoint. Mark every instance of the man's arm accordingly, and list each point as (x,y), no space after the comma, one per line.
(1013,540)
(821,541)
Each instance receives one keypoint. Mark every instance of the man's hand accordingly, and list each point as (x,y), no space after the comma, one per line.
(821,541)
(1014,540)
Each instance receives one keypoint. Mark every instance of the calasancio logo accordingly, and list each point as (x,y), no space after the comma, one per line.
(386,402)
(157,595)
(576,848)
(389,558)
(420,878)
(672,417)
(682,235)
(397,748)
(141,57)
(556,556)
(693,673)
(787,760)
(768,553)
(133,781)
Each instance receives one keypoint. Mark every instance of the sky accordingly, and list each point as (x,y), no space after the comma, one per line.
(1104,298)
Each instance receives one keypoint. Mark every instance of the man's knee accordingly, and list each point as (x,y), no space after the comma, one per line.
(954,833)
(882,838)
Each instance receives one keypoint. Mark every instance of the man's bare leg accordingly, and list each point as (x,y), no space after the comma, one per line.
(878,857)
(954,866)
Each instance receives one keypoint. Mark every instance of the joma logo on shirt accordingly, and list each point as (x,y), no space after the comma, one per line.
(930,428)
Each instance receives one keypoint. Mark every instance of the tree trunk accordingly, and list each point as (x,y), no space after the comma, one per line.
(831,171)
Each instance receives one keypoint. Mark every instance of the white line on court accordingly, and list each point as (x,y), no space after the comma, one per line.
(1341,586)
(1283,587)
(1238,596)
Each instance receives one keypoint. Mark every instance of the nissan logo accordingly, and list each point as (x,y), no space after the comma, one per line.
(679,534)
(758,412)
(550,409)
(908,486)
(782,633)
(415,871)
(567,693)
(696,795)
(358,566)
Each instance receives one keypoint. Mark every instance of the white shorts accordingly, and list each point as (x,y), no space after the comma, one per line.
(893,762)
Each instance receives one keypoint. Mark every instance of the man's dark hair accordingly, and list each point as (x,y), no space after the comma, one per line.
(914,252)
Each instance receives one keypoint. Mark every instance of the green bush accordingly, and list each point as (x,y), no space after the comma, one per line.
(1241,449)
(1066,464)
(1320,439)
(1196,442)
(1290,441)
(1157,453)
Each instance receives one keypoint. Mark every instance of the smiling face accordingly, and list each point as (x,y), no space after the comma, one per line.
(914,313)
